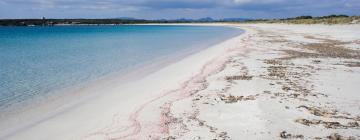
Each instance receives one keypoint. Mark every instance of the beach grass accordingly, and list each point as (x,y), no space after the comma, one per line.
(332,19)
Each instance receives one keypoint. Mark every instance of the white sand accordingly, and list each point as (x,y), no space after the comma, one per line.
(190,99)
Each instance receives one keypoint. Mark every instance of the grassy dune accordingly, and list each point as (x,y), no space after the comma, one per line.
(332,19)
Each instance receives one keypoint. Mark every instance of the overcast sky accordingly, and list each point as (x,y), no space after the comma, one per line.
(172,9)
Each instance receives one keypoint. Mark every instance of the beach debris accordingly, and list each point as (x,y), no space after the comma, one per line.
(277,72)
(316,61)
(234,99)
(318,112)
(273,62)
(223,136)
(285,135)
(327,48)
(291,79)
(285,88)
(352,64)
(331,114)
(170,138)
(238,77)
(336,136)
(230,98)
(328,124)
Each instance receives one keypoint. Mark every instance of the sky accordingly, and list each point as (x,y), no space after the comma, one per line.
(174,9)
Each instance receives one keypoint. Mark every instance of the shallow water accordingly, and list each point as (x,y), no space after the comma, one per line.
(35,61)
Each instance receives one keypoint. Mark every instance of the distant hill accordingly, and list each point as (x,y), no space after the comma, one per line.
(128,18)
(234,19)
(205,19)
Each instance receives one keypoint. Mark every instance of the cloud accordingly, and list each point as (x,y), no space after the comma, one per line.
(187,4)
(176,8)
(239,2)
(352,3)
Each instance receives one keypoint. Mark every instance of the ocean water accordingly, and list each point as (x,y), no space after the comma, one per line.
(35,61)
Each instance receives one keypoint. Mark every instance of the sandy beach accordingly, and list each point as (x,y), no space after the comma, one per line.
(275,81)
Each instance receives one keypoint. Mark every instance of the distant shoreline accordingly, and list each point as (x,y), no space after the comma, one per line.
(331,19)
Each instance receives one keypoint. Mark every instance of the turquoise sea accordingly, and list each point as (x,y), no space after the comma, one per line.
(35,61)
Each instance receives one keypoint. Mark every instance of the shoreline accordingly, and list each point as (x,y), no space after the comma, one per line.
(123,78)
(274,81)
(134,72)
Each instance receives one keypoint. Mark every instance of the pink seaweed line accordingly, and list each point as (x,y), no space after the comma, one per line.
(183,92)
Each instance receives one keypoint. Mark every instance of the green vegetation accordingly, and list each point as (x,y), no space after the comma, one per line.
(50,22)
(331,19)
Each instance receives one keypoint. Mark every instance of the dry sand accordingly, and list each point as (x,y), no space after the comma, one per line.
(272,82)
